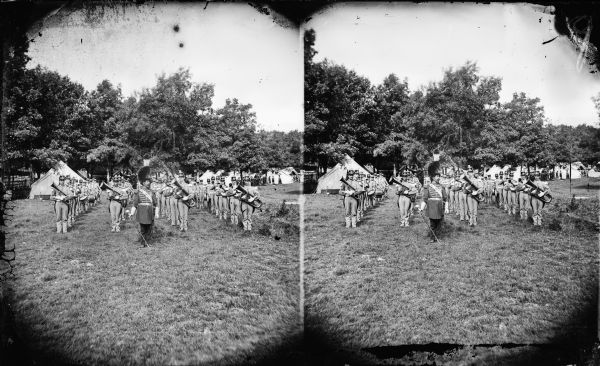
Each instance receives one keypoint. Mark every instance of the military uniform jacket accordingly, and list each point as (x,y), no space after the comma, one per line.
(409,191)
(57,194)
(434,196)
(144,201)
(347,190)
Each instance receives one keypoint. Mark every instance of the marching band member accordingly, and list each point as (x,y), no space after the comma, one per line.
(234,202)
(144,204)
(182,203)
(358,184)
(512,194)
(115,205)
(173,207)
(487,188)
(350,200)
(380,187)
(434,198)
(522,194)
(61,205)
(455,193)
(166,194)
(246,208)
(446,182)
(537,205)
(223,204)
(406,192)
(212,196)
(462,201)
(155,186)
(499,187)
(472,203)
(72,204)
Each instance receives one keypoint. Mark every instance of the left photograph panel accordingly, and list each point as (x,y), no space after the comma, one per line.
(151,162)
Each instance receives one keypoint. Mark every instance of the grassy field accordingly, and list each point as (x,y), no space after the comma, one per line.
(213,295)
(383,294)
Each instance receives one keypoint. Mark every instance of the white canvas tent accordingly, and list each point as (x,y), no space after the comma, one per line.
(331,180)
(495,169)
(286,176)
(41,187)
(593,173)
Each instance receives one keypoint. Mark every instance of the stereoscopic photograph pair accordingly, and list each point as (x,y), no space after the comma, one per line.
(299,183)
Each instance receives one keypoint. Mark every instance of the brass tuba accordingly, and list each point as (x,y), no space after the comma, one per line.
(256,202)
(67,197)
(535,190)
(478,197)
(356,192)
(187,200)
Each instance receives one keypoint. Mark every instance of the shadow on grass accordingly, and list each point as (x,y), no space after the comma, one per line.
(14,352)
(580,347)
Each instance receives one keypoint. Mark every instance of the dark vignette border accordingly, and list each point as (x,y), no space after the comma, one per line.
(314,347)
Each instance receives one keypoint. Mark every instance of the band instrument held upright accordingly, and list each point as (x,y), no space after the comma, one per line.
(356,193)
(187,199)
(535,191)
(249,198)
(67,197)
(479,196)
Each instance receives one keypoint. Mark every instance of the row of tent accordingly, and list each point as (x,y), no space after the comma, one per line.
(273,176)
(563,171)
(42,187)
(330,181)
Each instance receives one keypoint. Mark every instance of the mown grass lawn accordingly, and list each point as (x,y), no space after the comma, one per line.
(213,295)
(501,282)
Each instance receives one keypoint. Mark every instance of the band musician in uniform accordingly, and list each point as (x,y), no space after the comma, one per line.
(247,209)
(350,200)
(61,205)
(116,203)
(474,190)
(537,204)
(407,191)
(434,197)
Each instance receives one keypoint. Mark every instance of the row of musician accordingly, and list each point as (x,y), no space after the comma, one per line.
(174,199)
(462,192)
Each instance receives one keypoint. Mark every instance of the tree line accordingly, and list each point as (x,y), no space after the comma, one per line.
(50,118)
(461,115)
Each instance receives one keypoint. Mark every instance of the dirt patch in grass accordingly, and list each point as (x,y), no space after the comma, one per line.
(213,295)
(503,281)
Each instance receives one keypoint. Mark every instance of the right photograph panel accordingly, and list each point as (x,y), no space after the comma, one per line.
(451,216)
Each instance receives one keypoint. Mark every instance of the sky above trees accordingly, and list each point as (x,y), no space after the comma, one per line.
(244,53)
(420,41)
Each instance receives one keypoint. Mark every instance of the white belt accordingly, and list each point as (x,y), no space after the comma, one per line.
(144,204)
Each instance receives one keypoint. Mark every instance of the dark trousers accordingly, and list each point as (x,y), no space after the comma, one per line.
(435,225)
(146,231)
